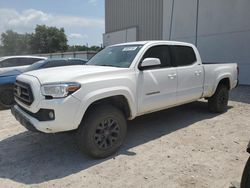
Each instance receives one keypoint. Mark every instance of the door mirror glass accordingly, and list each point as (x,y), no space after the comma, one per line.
(150,63)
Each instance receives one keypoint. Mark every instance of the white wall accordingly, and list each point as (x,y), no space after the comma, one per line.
(224,33)
(223,29)
(127,35)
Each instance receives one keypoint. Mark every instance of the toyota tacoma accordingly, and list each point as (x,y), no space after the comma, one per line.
(120,83)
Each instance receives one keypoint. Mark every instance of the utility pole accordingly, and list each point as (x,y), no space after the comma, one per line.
(197,23)
(171,21)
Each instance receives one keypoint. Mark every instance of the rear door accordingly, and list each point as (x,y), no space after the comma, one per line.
(157,86)
(190,74)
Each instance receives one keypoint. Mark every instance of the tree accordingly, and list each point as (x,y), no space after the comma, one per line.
(83,48)
(95,48)
(44,40)
(76,48)
(14,43)
(48,40)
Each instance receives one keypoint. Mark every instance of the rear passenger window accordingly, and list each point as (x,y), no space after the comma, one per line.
(12,62)
(161,52)
(25,61)
(33,60)
(183,55)
(15,62)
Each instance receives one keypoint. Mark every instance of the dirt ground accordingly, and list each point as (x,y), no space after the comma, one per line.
(184,146)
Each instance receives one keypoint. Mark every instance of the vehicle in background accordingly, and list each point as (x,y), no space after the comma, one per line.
(8,78)
(119,83)
(245,180)
(10,63)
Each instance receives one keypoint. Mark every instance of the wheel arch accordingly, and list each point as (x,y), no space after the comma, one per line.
(225,80)
(122,99)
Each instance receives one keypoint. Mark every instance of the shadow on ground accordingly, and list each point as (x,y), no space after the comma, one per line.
(32,158)
(241,94)
(2,109)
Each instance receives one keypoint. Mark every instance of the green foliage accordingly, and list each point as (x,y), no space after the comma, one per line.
(48,40)
(83,48)
(44,40)
(95,48)
(77,48)
(14,43)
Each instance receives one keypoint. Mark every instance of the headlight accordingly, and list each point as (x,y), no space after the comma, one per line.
(59,90)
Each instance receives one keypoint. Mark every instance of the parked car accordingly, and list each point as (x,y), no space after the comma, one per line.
(245,180)
(8,78)
(120,83)
(17,62)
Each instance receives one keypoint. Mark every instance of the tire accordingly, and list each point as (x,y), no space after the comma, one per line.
(102,131)
(7,97)
(245,180)
(219,101)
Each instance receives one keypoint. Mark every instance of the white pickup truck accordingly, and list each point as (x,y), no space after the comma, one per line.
(120,83)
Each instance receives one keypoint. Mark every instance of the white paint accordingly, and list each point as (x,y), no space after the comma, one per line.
(127,35)
(146,91)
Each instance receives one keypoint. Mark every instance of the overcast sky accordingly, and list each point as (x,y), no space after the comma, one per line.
(83,20)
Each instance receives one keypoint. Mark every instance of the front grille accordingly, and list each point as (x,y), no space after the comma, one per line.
(23,93)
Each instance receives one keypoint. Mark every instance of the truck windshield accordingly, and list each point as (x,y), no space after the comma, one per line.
(116,56)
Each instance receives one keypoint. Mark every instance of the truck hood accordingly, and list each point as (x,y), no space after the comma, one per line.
(69,73)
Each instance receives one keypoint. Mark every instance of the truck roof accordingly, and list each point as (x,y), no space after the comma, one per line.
(155,42)
(22,56)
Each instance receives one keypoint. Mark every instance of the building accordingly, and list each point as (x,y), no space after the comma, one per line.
(219,28)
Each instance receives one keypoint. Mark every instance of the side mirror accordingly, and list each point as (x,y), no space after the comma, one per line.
(150,63)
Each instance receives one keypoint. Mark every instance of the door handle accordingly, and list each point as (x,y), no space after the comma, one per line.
(172,76)
(197,73)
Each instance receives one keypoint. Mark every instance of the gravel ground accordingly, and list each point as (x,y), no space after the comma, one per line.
(184,147)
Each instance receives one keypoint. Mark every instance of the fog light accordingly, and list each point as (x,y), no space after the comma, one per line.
(51,115)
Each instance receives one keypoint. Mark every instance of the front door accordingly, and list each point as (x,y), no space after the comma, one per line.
(157,86)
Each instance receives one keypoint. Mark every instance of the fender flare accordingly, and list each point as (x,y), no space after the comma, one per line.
(96,95)
(221,77)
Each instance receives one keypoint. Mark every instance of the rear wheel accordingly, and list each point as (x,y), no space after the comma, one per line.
(245,181)
(7,97)
(219,101)
(102,131)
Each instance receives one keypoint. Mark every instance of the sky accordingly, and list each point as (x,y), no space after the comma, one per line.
(83,20)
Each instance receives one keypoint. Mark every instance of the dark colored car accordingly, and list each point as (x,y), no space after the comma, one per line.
(8,79)
(245,181)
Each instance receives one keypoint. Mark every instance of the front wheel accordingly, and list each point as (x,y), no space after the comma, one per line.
(102,131)
(245,181)
(219,101)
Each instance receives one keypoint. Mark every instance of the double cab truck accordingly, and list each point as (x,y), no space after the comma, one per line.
(120,83)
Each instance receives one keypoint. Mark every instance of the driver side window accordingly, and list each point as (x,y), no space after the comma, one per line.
(161,52)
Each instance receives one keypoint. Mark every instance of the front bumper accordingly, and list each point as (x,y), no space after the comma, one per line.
(65,111)
(22,118)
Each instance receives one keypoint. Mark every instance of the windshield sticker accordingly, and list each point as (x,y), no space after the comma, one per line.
(129,49)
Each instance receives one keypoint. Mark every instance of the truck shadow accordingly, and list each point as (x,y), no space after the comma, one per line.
(241,94)
(32,158)
(2,109)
